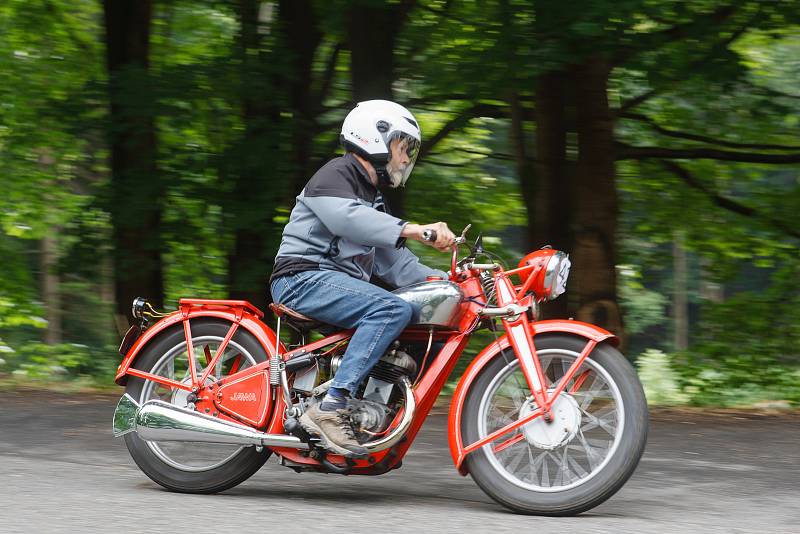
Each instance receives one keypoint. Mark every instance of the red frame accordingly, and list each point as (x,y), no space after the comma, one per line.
(520,335)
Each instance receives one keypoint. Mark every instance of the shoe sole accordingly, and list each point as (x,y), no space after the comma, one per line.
(312,428)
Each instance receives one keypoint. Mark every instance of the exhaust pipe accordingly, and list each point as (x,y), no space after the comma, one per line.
(160,421)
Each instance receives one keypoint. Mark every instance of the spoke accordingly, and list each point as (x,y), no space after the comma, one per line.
(569,463)
(495,407)
(545,471)
(499,412)
(564,366)
(580,471)
(220,364)
(519,457)
(207,353)
(547,367)
(520,385)
(578,382)
(534,466)
(564,471)
(590,394)
(507,417)
(517,397)
(595,421)
(591,455)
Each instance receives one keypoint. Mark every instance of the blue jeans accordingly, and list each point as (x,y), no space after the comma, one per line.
(339,299)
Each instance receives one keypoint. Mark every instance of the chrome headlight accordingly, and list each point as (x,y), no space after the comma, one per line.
(556,274)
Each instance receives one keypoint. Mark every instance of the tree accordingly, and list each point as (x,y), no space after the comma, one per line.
(373,28)
(136,192)
(573,62)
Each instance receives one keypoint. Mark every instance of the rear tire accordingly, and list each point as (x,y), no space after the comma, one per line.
(233,470)
(530,486)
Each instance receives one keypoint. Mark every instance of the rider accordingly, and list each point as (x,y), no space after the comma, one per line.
(339,235)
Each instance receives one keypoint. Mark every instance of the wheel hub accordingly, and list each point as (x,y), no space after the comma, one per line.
(566,420)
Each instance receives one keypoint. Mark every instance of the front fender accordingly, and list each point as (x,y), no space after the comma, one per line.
(248,321)
(576,328)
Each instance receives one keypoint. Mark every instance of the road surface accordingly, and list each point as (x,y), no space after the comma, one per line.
(62,471)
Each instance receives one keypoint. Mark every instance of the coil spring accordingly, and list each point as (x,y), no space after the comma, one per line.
(274,370)
(487,282)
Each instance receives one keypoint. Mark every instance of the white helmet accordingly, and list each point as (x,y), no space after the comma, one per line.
(369,129)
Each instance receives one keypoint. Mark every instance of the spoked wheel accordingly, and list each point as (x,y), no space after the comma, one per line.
(189,466)
(580,458)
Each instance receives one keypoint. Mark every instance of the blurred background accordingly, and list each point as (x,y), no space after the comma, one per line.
(154,148)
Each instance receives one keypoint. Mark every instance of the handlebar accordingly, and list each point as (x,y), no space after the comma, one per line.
(430,235)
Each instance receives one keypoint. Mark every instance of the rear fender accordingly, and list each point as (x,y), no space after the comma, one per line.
(246,315)
(576,328)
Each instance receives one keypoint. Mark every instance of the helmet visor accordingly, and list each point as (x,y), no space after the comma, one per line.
(403,152)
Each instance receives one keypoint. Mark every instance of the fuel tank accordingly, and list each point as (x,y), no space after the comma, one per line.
(436,303)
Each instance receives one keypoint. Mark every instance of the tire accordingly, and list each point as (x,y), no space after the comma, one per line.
(227,467)
(579,482)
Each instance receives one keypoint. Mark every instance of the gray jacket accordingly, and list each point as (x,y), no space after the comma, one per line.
(340,222)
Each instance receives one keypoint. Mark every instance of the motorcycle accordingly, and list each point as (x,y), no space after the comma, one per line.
(548,419)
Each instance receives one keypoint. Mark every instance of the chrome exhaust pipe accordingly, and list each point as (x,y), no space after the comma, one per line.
(156,420)
(409,410)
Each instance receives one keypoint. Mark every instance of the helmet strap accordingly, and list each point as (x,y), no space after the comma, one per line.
(383,175)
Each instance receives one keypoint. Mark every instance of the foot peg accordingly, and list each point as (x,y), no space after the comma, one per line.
(293,427)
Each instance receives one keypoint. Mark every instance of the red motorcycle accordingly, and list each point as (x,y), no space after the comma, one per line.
(549,418)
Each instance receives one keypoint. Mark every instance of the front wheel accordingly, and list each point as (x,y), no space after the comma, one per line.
(578,460)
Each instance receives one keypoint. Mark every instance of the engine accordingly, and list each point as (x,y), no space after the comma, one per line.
(380,397)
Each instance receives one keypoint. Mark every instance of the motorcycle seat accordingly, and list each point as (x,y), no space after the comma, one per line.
(295,319)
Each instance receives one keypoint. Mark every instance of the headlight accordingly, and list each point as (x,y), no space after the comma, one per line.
(551,270)
(556,274)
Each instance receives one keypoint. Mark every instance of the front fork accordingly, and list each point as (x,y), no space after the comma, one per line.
(520,333)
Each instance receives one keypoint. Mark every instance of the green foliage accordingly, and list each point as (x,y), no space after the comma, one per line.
(748,346)
(659,379)
(642,307)
(725,74)
(58,362)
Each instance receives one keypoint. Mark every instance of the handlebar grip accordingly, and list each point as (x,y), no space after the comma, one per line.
(429,235)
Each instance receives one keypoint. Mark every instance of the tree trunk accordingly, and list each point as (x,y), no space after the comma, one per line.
(266,174)
(51,296)
(372,35)
(547,190)
(136,190)
(594,278)
(254,163)
(300,39)
(680,305)
(530,183)
(552,203)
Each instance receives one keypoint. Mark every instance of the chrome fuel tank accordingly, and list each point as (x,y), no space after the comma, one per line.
(436,303)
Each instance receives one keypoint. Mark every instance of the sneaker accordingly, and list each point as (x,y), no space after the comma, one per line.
(334,430)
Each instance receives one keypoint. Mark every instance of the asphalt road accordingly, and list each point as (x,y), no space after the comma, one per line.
(61,471)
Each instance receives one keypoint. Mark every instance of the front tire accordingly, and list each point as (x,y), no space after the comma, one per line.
(190,467)
(590,450)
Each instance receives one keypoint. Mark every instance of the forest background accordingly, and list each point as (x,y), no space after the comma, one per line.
(154,148)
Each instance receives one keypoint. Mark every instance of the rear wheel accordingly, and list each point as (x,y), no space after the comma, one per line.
(189,466)
(581,458)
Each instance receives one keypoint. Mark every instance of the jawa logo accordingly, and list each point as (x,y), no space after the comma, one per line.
(239,396)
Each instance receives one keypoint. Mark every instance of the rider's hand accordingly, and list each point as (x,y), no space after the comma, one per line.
(444,237)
